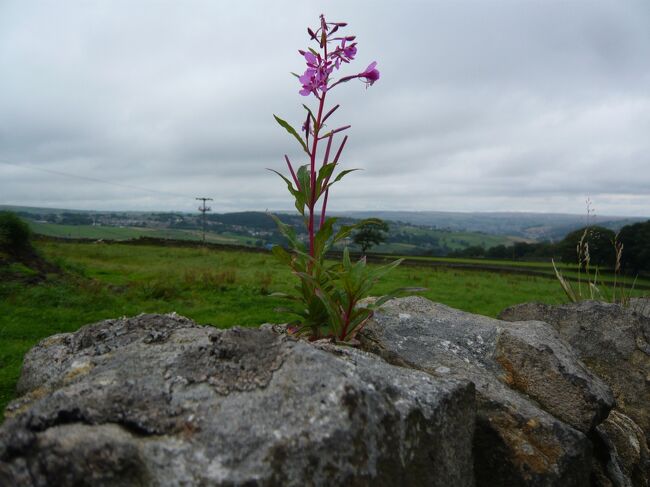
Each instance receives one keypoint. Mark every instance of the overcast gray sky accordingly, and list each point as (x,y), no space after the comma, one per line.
(482,105)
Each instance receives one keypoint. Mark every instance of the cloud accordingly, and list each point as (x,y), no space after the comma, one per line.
(486,105)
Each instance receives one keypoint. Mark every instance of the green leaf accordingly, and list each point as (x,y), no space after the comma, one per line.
(379,272)
(292,190)
(323,235)
(300,205)
(341,175)
(311,114)
(346,230)
(343,232)
(292,131)
(333,312)
(281,254)
(298,195)
(395,293)
(324,174)
(372,221)
(346,259)
(359,317)
(304,179)
(288,232)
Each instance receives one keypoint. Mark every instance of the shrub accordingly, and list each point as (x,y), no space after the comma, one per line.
(15,234)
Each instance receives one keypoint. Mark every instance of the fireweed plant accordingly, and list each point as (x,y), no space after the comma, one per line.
(327,293)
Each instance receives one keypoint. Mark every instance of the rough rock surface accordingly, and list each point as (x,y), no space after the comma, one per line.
(627,460)
(613,341)
(641,306)
(535,399)
(159,400)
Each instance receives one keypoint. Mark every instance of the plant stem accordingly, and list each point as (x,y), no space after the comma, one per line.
(312,202)
(317,127)
(336,160)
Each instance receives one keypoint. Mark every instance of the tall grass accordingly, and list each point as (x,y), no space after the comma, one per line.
(596,289)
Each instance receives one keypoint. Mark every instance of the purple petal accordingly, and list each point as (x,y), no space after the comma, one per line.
(310,58)
(373,75)
(307,76)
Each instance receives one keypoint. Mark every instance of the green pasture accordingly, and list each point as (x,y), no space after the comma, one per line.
(454,240)
(127,233)
(602,276)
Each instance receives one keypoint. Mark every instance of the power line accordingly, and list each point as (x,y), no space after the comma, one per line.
(95,180)
(204,209)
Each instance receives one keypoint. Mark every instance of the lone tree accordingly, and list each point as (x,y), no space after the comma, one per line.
(15,234)
(370,233)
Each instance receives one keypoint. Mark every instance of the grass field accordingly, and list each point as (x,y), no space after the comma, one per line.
(222,288)
(127,233)
(454,240)
(605,276)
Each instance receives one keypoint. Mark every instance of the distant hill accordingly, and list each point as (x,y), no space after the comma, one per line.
(434,232)
(56,211)
(530,226)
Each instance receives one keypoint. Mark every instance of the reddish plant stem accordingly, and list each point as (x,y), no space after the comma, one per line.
(336,131)
(325,183)
(312,202)
(327,151)
(317,127)
(336,159)
(338,152)
(327,115)
(293,174)
(325,159)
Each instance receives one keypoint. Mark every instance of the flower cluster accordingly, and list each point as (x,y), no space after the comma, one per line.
(334,51)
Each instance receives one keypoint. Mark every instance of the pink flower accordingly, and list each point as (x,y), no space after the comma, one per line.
(370,75)
(320,65)
(343,53)
(314,80)
(349,51)
(312,60)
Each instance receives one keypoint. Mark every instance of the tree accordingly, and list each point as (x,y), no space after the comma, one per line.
(636,247)
(601,246)
(15,234)
(370,234)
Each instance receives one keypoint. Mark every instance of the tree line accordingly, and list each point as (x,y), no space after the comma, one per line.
(601,242)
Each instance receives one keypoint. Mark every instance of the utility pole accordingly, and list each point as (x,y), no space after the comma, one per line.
(204,209)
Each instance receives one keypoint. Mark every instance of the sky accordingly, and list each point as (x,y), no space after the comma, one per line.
(486,105)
